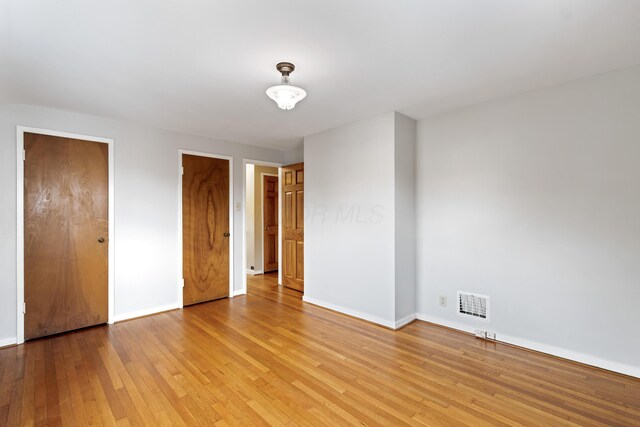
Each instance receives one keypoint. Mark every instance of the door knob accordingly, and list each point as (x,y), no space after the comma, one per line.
(227,234)
(100,239)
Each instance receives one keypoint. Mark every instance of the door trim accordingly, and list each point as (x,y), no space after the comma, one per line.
(180,280)
(20,131)
(262,175)
(245,162)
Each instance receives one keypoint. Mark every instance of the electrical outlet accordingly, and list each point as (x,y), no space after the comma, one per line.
(491,335)
(442,301)
(480,333)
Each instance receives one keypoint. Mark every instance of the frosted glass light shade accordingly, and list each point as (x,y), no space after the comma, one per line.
(286,96)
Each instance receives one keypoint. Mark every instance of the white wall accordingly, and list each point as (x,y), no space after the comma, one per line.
(359,222)
(146,205)
(405,230)
(535,201)
(249,216)
(349,219)
(295,155)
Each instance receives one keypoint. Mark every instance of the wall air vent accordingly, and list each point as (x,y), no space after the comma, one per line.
(473,305)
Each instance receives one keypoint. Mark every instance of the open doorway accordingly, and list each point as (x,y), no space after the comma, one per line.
(262,230)
(270,220)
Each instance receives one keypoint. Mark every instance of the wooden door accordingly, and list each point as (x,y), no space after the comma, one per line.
(205,228)
(66,229)
(293,226)
(270,222)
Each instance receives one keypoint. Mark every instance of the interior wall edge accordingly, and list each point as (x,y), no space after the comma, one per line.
(405,321)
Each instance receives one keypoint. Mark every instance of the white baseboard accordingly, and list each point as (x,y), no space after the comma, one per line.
(405,321)
(255,272)
(350,312)
(8,341)
(239,292)
(633,371)
(144,312)
(448,323)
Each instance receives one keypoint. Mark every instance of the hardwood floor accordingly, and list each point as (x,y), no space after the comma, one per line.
(268,358)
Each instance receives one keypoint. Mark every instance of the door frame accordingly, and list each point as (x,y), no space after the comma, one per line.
(180,280)
(245,162)
(262,175)
(20,131)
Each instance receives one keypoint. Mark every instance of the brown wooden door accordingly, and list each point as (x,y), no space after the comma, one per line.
(205,228)
(293,226)
(66,228)
(270,222)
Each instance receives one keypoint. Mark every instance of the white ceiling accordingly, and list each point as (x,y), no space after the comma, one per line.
(202,66)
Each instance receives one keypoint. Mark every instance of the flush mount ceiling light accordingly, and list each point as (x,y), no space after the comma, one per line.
(285,95)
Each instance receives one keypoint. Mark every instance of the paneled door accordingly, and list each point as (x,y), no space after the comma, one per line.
(66,229)
(270,222)
(205,228)
(293,226)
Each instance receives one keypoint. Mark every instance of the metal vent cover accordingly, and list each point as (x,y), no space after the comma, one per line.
(474,305)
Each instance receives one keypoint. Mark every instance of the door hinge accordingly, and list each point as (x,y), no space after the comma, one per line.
(24,308)
(182,170)
(24,155)
(183,282)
